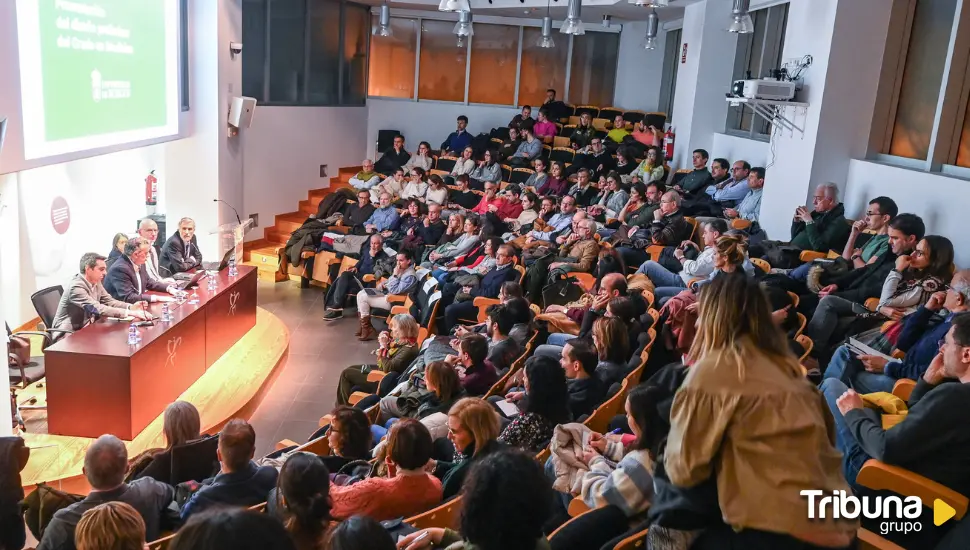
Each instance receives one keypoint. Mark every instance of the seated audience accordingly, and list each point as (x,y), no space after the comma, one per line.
(301,499)
(393,158)
(750,206)
(437,192)
(509,208)
(905,289)
(360,533)
(510,144)
(348,437)
(427,233)
(529,203)
(650,169)
(489,286)
(462,198)
(181,252)
(402,281)
(556,183)
(405,225)
(545,232)
(699,178)
(744,408)
(577,252)
(504,506)
(625,163)
(491,201)
(471,362)
(519,119)
(619,131)
(486,170)
(544,129)
(85,292)
(543,403)
(117,248)
(113,525)
(595,158)
(555,107)
(356,215)
(612,197)
(181,424)
(610,286)
(464,165)
(528,150)
(919,338)
(450,251)
(416,187)
(583,132)
(612,342)
(649,136)
(397,348)
(128,280)
(473,426)
(433,391)
(668,228)
(232,529)
(240,481)
(407,490)
(701,266)
(105,463)
(821,229)
(583,190)
(392,185)
(638,212)
(422,159)
(367,177)
(933,440)
(586,392)
(728,188)
(538,177)
(373,261)
(458,140)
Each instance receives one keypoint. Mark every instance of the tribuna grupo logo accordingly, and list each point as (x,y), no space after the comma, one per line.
(898,514)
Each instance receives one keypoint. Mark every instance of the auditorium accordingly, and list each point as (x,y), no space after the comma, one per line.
(485,274)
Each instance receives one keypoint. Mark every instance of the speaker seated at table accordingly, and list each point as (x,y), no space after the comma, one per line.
(181,252)
(127,279)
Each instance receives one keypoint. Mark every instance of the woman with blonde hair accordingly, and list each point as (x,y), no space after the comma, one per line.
(746,415)
(113,525)
(398,346)
(181,424)
(473,427)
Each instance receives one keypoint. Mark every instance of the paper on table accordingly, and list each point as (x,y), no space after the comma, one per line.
(165,299)
(507,408)
(863,349)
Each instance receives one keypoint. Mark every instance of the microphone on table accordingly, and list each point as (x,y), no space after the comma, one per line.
(238,219)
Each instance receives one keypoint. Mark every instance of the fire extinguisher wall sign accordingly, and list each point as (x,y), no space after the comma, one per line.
(669,144)
(151,189)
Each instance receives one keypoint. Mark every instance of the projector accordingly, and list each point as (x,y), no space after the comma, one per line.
(775,90)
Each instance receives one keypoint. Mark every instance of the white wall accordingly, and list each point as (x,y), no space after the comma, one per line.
(735,148)
(428,121)
(941,201)
(283,150)
(639,71)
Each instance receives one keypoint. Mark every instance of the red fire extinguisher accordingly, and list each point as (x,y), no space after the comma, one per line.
(669,144)
(151,189)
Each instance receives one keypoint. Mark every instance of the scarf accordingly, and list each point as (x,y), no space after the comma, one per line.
(365,176)
(396,345)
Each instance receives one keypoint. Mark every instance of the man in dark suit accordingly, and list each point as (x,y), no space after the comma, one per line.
(128,280)
(181,251)
(489,288)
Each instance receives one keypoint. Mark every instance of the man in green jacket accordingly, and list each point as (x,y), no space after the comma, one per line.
(824,228)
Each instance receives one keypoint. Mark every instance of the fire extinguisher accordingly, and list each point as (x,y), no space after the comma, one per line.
(669,144)
(151,189)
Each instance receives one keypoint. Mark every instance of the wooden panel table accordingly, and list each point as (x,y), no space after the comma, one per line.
(97,383)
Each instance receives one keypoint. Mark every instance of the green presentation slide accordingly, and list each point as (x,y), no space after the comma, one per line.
(103,66)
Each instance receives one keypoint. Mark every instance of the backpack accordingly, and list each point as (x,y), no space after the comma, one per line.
(40,506)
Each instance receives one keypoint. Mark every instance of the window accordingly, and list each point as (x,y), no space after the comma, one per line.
(542,68)
(921,117)
(431,66)
(305,52)
(442,62)
(392,60)
(668,79)
(593,69)
(494,56)
(757,55)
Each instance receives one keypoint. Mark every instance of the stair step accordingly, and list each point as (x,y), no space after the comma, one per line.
(265,258)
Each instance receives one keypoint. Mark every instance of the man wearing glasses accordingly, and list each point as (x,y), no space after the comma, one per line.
(730,186)
(596,159)
(820,229)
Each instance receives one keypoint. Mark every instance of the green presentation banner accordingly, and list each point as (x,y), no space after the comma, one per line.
(103,66)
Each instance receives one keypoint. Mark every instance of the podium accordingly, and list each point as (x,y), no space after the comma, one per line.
(231,237)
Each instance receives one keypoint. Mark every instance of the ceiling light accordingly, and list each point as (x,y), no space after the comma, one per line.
(546,41)
(573,23)
(741,20)
(454,5)
(384,25)
(606,21)
(653,27)
(651,3)
(463,28)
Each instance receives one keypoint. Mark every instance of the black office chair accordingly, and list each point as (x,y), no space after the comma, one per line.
(24,373)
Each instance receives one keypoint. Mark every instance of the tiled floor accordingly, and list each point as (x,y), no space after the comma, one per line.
(307,386)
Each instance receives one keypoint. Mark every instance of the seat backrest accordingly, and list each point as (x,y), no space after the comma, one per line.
(506,172)
(657,120)
(430,309)
(609,113)
(600,419)
(45,303)
(196,460)
(633,116)
(385,139)
(521,175)
(446,163)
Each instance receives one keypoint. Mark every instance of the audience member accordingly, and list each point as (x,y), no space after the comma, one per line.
(744,408)
(437,192)
(422,159)
(476,375)
(367,177)
(556,184)
(113,525)
(749,208)
(407,490)
(529,149)
(301,499)
(577,252)
(86,292)
(544,129)
(232,529)
(529,202)
(583,132)
(701,266)
(402,281)
(489,287)
(697,180)
(393,185)
(373,261)
(397,348)
(649,136)
(491,200)
(348,437)
(449,252)
(586,392)
(583,190)
(393,158)
(360,533)
(181,424)
(612,342)
(473,426)
(416,187)
(821,229)
(519,119)
(595,158)
(619,132)
(611,198)
(555,107)
(650,169)
(638,212)
(105,463)
(457,140)
(462,198)
(181,252)
(510,144)
(504,506)
(441,389)
(128,279)
(117,248)
(543,404)
(668,228)
(625,163)
(538,176)
(240,481)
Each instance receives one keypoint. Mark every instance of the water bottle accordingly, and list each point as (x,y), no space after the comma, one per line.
(166,313)
(132,334)
(212,283)
(232,266)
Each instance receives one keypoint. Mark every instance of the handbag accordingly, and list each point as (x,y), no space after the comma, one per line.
(40,506)
(561,292)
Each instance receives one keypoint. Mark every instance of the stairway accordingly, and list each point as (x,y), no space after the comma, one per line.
(264,253)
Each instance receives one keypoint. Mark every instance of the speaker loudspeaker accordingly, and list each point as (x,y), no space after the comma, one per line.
(241,111)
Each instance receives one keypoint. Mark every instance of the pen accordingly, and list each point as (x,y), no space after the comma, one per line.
(617,431)
(421,537)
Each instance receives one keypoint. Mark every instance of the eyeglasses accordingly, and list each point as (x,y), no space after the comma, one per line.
(871,213)
(918,253)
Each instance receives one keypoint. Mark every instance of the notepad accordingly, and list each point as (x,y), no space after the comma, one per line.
(507,408)
(859,348)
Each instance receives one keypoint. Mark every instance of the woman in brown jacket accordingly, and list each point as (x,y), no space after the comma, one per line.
(398,347)
(747,415)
